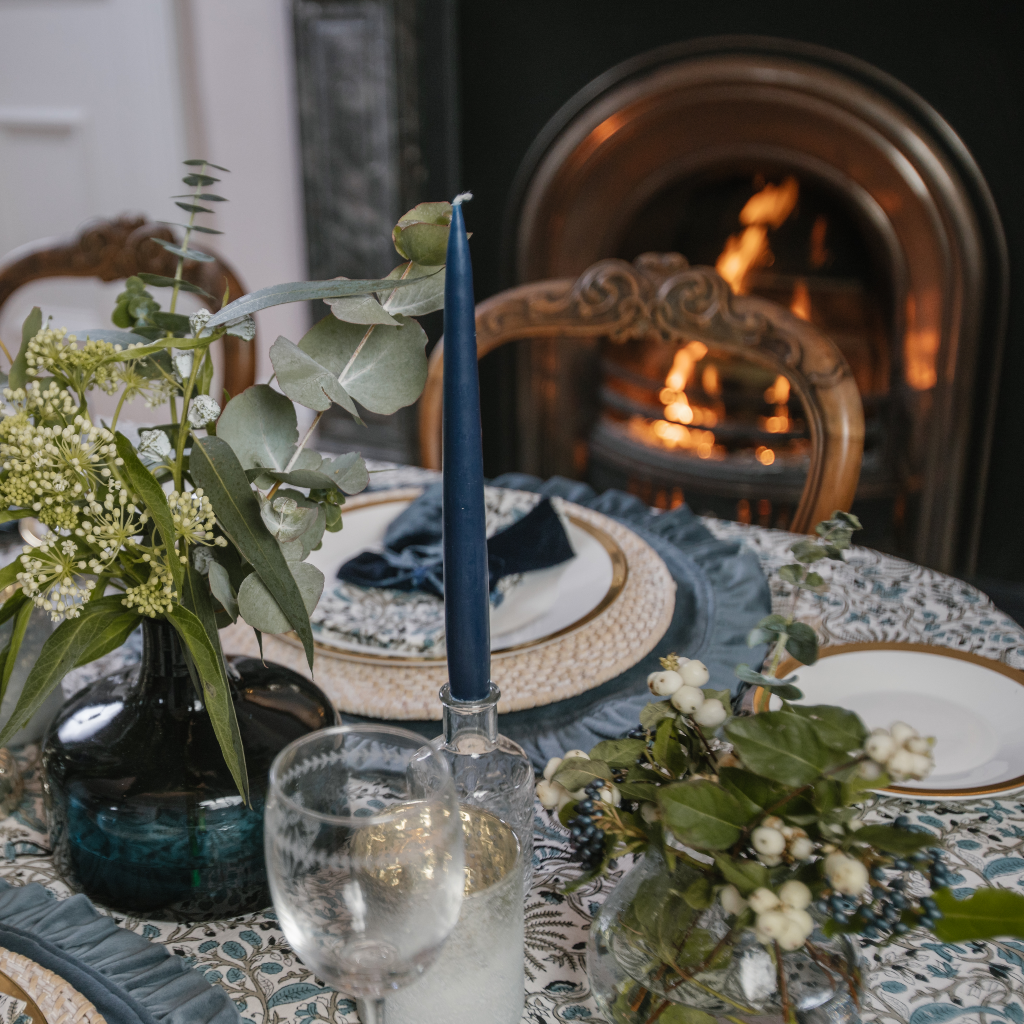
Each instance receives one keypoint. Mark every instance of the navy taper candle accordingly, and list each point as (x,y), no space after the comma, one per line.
(466,601)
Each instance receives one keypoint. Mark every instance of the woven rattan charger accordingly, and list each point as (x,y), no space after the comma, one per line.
(605,643)
(50,999)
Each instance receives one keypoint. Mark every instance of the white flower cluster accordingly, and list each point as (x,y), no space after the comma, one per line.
(774,841)
(782,917)
(194,518)
(553,795)
(683,688)
(49,578)
(900,751)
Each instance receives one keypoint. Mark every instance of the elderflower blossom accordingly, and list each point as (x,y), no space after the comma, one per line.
(48,468)
(111,526)
(49,578)
(194,518)
(56,352)
(156,596)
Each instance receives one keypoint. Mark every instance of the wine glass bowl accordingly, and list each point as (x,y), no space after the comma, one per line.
(365,858)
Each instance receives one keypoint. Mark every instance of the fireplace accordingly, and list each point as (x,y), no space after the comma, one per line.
(806,177)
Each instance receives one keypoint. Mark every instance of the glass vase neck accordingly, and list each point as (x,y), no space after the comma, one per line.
(470,726)
(162,656)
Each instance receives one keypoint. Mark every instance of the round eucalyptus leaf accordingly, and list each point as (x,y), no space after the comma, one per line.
(257,606)
(425,293)
(360,309)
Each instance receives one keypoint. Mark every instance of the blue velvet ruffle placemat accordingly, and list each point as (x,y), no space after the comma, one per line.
(129,979)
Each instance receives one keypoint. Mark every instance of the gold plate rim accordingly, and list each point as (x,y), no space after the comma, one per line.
(620,574)
(791,664)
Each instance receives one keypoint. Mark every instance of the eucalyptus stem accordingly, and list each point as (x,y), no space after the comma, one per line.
(185,428)
(179,270)
(117,411)
(10,358)
(352,358)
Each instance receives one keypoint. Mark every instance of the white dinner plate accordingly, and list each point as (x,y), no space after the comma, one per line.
(540,605)
(973,706)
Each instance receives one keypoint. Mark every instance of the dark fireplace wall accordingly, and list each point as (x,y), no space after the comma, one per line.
(522,59)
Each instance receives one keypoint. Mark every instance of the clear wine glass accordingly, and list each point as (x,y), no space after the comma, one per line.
(365,857)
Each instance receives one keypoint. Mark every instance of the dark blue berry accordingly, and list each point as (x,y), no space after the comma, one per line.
(902,865)
(866,914)
(902,821)
(928,903)
(935,914)
(897,884)
(575,831)
(588,832)
(872,932)
(878,873)
(821,906)
(900,901)
(878,892)
(599,835)
(837,903)
(900,928)
(583,819)
(840,918)
(890,913)
(586,806)
(927,922)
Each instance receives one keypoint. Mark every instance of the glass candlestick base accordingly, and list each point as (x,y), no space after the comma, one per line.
(490,771)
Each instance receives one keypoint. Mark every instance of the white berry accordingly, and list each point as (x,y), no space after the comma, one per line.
(801,848)
(549,794)
(711,714)
(551,767)
(901,765)
(771,925)
(732,901)
(695,673)
(795,894)
(918,745)
(687,699)
(869,770)
(922,766)
(901,732)
(609,794)
(880,746)
(762,900)
(664,684)
(770,860)
(847,875)
(769,841)
(577,753)
(650,812)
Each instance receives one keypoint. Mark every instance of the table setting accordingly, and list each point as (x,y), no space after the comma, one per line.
(497,750)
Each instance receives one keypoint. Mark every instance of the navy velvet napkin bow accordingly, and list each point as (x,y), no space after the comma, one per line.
(411,559)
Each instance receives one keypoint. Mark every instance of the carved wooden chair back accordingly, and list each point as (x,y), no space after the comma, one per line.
(117,249)
(660,296)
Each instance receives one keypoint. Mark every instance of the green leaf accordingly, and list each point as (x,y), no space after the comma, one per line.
(256,603)
(13,603)
(159,281)
(638,790)
(18,375)
(9,655)
(383,370)
(204,379)
(836,727)
(192,208)
(119,626)
(6,515)
(424,295)
(895,840)
(618,753)
(261,428)
(209,663)
(753,793)
(360,309)
(667,751)
(215,468)
(769,629)
(652,714)
(701,814)
(792,573)
(746,875)
(174,322)
(9,576)
(220,584)
(186,254)
(145,485)
(808,551)
(779,745)
(299,291)
(988,914)
(195,596)
(60,653)
(780,686)
(578,772)
(306,381)
(205,163)
(200,179)
(802,643)
(206,197)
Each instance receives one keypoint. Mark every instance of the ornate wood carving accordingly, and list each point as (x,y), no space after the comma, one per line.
(663,299)
(115,249)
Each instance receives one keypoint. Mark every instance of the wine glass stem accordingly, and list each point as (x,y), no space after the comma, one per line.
(371,1011)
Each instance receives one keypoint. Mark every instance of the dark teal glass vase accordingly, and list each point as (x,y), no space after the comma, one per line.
(143,813)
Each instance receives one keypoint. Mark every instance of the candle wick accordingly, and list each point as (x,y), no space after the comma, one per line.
(461,197)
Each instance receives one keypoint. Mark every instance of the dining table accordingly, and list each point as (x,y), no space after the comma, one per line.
(872,598)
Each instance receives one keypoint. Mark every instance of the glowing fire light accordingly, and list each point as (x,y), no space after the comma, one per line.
(768,208)
(764,455)
(800,304)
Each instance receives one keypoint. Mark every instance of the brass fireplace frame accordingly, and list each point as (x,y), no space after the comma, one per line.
(687,110)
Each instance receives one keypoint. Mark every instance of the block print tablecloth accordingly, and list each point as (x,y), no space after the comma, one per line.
(873,597)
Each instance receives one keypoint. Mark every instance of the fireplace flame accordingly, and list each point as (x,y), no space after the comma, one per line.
(749,249)
(800,304)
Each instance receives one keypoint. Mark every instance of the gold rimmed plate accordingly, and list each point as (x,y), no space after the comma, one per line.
(973,706)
